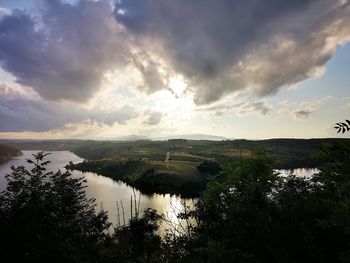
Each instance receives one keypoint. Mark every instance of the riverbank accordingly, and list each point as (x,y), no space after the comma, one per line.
(289,153)
(8,152)
(163,177)
(106,191)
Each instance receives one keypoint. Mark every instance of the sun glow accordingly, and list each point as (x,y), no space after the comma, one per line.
(168,102)
(177,85)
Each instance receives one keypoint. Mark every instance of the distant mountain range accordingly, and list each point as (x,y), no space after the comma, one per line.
(195,136)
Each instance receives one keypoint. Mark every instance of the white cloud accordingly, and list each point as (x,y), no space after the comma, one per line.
(21,113)
(5,11)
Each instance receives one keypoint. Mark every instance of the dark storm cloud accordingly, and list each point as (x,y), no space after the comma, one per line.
(224,46)
(62,52)
(219,46)
(18,113)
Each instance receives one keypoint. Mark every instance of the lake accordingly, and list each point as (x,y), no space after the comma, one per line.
(302,172)
(105,190)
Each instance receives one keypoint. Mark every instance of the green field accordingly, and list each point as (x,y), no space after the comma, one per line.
(289,153)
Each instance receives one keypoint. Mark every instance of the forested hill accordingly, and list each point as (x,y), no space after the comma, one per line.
(8,152)
(289,153)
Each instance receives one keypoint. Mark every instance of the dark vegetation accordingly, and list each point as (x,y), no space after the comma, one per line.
(175,177)
(250,214)
(45,217)
(7,152)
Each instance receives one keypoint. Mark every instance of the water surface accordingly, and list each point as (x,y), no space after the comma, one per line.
(302,172)
(105,190)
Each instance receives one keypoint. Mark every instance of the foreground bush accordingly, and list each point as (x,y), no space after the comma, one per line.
(46,217)
(255,215)
(248,214)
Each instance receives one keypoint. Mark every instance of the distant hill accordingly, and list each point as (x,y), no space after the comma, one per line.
(289,153)
(8,152)
(196,136)
(132,138)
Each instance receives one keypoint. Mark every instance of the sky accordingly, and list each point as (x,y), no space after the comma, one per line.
(101,69)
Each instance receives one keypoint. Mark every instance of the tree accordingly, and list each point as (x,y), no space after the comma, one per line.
(334,193)
(209,168)
(255,215)
(138,241)
(250,214)
(46,217)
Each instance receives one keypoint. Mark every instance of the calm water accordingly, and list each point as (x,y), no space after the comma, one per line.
(303,172)
(105,190)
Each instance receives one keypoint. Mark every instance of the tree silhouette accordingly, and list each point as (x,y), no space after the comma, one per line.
(47,217)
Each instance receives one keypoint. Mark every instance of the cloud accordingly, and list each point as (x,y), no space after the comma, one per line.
(20,113)
(151,70)
(240,108)
(225,46)
(346,103)
(303,109)
(14,91)
(302,114)
(84,129)
(259,106)
(4,11)
(219,47)
(63,52)
(153,118)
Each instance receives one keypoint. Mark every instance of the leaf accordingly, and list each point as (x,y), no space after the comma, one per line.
(46,163)
(342,126)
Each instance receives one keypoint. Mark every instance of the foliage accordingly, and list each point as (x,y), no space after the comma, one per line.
(255,215)
(248,213)
(46,217)
(138,241)
(342,126)
(209,168)
(150,176)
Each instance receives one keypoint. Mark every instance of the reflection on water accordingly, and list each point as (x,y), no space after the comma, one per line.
(105,190)
(302,172)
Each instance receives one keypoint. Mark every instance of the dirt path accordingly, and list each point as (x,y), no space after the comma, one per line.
(167,157)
